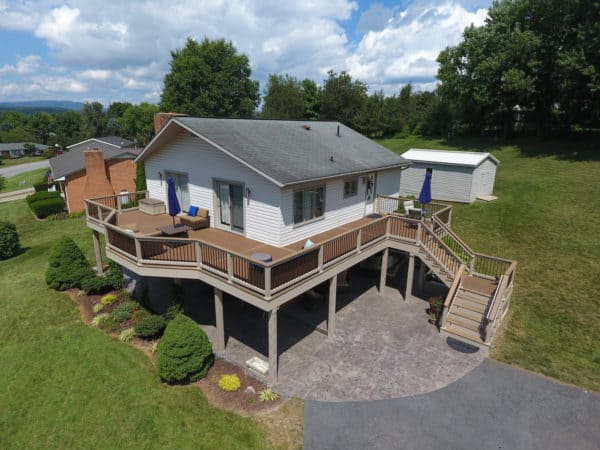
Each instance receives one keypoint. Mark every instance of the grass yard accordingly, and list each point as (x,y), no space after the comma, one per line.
(7,162)
(66,385)
(25,180)
(548,219)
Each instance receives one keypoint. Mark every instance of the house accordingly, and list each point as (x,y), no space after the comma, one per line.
(456,176)
(93,173)
(17,149)
(289,206)
(102,143)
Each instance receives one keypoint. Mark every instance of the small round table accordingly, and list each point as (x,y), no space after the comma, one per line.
(262,257)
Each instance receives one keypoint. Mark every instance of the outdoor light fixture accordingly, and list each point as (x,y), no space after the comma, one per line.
(248,195)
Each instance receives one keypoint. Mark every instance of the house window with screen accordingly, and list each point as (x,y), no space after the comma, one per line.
(350,187)
(309,204)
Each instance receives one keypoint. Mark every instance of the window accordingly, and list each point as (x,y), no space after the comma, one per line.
(350,188)
(309,204)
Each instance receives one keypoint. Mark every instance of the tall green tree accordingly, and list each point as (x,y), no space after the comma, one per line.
(341,97)
(92,120)
(137,124)
(67,128)
(210,78)
(284,98)
(311,99)
(41,124)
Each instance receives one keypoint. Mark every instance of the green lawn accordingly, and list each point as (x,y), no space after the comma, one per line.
(6,162)
(25,180)
(66,385)
(548,219)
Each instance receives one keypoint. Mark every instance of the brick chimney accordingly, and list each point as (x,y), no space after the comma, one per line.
(161,119)
(96,182)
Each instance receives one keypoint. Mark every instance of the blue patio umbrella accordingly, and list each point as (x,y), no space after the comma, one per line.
(425,195)
(174,207)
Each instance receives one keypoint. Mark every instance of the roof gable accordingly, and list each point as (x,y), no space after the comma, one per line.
(288,152)
(72,162)
(112,141)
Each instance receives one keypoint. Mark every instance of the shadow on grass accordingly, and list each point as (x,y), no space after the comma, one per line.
(572,148)
(19,252)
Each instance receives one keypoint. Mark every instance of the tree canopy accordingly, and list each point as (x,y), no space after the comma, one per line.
(342,97)
(210,78)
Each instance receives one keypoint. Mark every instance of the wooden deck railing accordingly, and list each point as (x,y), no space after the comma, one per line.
(499,304)
(269,278)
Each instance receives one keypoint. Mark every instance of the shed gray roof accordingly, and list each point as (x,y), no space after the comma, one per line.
(285,151)
(20,146)
(72,162)
(102,143)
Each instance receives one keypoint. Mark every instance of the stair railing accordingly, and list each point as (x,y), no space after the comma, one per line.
(498,305)
(456,284)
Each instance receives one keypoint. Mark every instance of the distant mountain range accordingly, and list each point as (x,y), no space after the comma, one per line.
(51,106)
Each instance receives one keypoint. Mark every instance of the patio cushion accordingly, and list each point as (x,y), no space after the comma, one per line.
(203,213)
(192,211)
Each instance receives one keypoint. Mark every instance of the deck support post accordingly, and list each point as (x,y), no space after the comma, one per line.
(332,305)
(219,321)
(384,267)
(410,276)
(97,252)
(421,277)
(273,356)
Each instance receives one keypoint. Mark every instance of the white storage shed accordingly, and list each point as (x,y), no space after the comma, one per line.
(456,176)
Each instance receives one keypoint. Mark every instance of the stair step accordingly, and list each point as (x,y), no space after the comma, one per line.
(473,296)
(464,322)
(463,333)
(466,303)
(467,313)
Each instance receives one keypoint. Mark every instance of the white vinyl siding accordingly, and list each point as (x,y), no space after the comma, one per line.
(483,179)
(450,183)
(388,182)
(204,164)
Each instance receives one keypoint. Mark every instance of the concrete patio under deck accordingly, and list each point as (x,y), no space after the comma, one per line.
(383,346)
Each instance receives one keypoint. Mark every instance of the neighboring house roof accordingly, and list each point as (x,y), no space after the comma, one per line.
(20,146)
(455,158)
(108,141)
(286,152)
(69,163)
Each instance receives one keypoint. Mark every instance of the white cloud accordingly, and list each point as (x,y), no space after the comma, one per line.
(118,50)
(406,49)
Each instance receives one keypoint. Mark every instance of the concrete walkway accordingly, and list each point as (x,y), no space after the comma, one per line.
(15,195)
(495,406)
(21,168)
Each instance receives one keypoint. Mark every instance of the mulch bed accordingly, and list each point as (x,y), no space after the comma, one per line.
(243,401)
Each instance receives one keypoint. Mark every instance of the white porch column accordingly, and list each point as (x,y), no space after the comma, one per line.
(97,252)
(410,276)
(273,356)
(332,305)
(219,321)
(384,267)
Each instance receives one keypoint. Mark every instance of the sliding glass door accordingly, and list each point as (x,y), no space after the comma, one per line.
(230,198)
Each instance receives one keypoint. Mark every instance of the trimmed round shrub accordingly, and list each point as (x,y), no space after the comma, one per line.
(141,314)
(9,240)
(42,195)
(45,208)
(107,323)
(96,285)
(184,353)
(230,383)
(150,326)
(124,311)
(67,266)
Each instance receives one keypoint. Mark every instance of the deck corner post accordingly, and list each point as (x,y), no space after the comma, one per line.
(119,203)
(384,267)
(410,276)
(273,349)
(332,305)
(268,282)
(138,249)
(421,277)
(359,240)
(219,321)
(229,268)
(320,259)
(198,254)
(419,231)
(97,252)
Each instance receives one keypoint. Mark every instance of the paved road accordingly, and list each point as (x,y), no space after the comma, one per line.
(15,170)
(493,407)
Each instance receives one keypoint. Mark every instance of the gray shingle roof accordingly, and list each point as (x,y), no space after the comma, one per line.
(72,162)
(288,153)
(20,146)
(102,143)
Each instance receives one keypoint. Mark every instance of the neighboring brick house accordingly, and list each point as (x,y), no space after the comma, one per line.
(93,172)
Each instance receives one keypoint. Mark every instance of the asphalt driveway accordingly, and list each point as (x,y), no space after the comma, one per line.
(22,168)
(494,406)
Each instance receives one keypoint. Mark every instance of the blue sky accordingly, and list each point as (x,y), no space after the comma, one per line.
(114,50)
